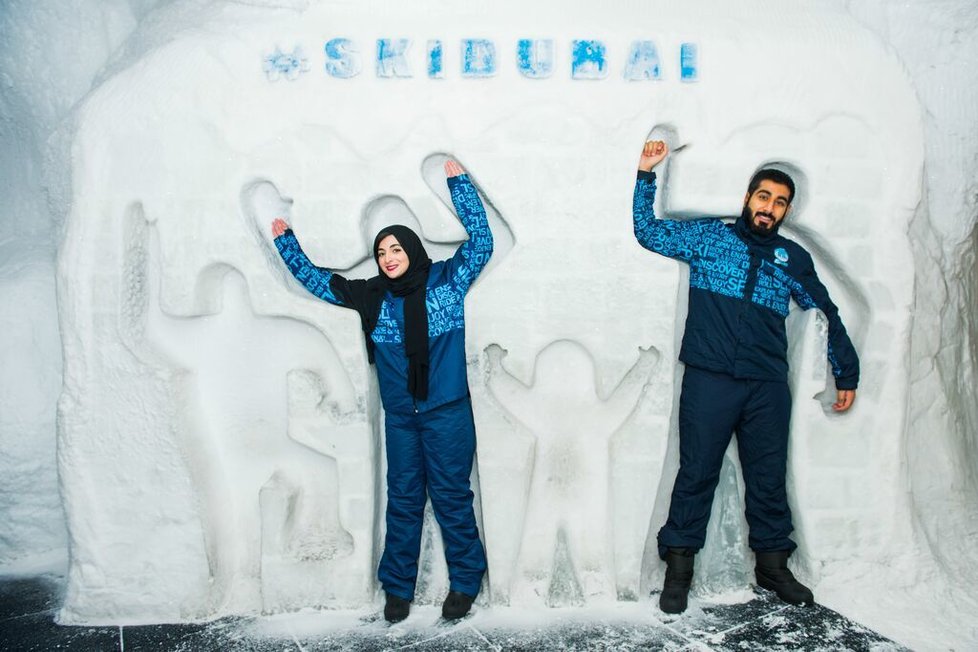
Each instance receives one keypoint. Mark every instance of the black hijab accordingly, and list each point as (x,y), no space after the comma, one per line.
(368,296)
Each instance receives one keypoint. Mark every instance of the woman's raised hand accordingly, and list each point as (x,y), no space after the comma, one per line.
(453,169)
(279,226)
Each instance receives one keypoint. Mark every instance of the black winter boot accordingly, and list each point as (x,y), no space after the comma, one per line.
(679,575)
(456,605)
(396,609)
(772,573)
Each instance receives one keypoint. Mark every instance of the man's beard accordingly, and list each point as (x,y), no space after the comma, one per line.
(759,229)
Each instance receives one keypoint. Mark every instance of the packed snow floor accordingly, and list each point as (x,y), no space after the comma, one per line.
(28,607)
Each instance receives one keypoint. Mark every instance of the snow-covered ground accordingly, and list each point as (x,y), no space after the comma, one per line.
(200,439)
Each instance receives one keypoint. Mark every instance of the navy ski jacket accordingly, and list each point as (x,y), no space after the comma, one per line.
(448,282)
(740,284)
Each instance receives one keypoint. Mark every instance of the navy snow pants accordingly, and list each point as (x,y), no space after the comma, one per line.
(430,455)
(712,406)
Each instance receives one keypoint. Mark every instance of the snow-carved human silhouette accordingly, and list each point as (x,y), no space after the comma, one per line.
(268,506)
(566,554)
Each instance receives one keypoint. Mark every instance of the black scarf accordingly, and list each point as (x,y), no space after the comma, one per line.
(367,297)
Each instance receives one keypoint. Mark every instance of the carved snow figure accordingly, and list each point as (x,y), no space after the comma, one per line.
(567,552)
(274,510)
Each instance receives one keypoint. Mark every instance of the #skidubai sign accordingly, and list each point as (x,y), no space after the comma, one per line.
(534,59)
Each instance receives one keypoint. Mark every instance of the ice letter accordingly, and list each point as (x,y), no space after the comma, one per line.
(643,62)
(390,57)
(341,58)
(535,58)
(688,62)
(435,68)
(478,57)
(289,65)
(588,60)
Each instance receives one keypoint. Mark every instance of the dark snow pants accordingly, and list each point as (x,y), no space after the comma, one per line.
(712,406)
(430,455)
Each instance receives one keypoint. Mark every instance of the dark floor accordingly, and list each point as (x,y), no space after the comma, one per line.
(28,607)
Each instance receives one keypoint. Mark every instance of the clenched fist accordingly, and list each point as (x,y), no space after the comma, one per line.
(652,154)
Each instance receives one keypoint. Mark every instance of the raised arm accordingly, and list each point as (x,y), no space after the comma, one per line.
(318,281)
(620,405)
(810,293)
(512,395)
(473,254)
(672,238)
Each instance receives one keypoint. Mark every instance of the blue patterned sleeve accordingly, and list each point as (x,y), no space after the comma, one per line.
(319,281)
(672,238)
(473,254)
(810,293)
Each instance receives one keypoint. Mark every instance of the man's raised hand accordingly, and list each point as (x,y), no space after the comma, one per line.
(652,154)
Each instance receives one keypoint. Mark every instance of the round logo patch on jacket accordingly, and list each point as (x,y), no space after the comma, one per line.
(781,256)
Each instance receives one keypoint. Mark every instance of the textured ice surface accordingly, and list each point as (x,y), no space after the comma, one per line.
(185,142)
(232,402)
(761,622)
(757,622)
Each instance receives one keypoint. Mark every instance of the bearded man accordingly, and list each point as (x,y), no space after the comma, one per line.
(735,350)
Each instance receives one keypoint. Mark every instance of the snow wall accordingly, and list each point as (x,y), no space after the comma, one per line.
(220,437)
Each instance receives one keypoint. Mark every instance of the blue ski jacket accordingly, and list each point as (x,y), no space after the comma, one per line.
(740,284)
(448,282)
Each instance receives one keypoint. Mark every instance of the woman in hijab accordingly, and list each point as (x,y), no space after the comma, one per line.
(412,316)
